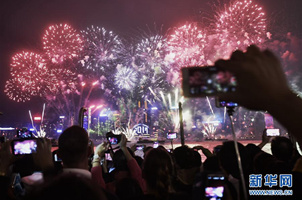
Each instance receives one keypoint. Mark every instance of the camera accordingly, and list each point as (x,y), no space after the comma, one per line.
(272,132)
(24,146)
(214,187)
(171,135)
(24,133)
(112,138)
(206,81)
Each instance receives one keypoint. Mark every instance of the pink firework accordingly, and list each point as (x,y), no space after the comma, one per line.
(241,24)
(186,46)
(17,92)
(28,70)
(62,42)
(60,76)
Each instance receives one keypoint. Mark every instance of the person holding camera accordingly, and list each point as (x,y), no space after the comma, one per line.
(124,163)
(262,85)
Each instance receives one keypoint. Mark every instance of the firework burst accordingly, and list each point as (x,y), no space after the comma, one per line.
(149,60)
(186,46)
(62,42)
(125,78)
(17,92)
(102,48)
(241,24)
(28,71)
(60,75)
(151,52)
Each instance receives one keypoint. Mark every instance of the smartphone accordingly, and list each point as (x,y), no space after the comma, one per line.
(140,147)
(171,135)
(206,81)
(155,145)
(85,120)
(214,188)
(24,146)
(273,132)
(56,158)
(269,121)
(24,133)
(114,139)
(228,104)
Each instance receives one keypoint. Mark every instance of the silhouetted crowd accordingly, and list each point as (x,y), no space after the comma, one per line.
(78,170)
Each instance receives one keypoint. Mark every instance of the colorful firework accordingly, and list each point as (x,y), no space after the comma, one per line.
(241,24)
(148,58)
(125,78)
(28,70)
(102,48)
(186,46)
(151,52)
(60,75)
(62,42)
(17,92)
(169,118)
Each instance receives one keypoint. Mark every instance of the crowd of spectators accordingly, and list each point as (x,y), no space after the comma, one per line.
(85,172)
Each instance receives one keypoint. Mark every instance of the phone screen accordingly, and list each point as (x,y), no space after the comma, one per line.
(215,187)
(171,135)
(108,156)
(85,120)
(155,144)
(56,158)
(139,147)
(113,140)
(227,104)
(273,132)
(21,147)
(206,81)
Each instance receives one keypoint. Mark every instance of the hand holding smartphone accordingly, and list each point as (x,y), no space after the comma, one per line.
(113,139)
(214,186)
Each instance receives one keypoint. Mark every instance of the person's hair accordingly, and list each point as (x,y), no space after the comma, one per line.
(184,157)
(228,159)
(282,148)
(128,189)
(197,159)
(158,172)
(73,145)
(211,164)
(263,163)
(120,161)
(139,161)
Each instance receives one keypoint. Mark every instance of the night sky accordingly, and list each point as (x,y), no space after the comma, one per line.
(23,23)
